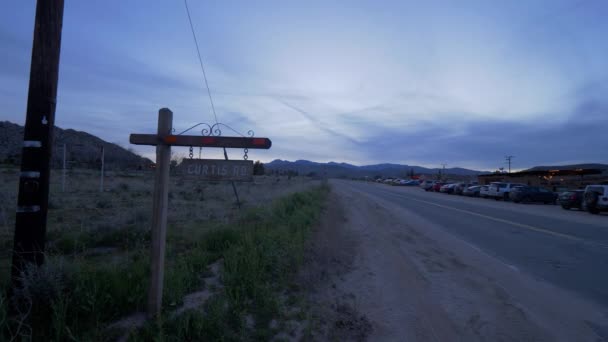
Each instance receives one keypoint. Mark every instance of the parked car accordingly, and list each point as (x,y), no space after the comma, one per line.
(571,199)
(412,182)
(437,186)
(472,191)
(500,190)
(484,191)
(532,194)
(427,185)
(460,187)
(595,198)
(447,188)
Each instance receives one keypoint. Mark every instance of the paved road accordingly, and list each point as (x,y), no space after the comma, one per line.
(566,248)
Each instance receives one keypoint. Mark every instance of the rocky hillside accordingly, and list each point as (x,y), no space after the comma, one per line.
(83,149)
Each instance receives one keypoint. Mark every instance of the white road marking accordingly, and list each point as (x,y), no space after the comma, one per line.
(517,224)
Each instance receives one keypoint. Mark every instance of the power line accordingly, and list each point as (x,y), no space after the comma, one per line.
(200,59)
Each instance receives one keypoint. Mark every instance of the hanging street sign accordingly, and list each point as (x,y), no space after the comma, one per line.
(217,169)
(200,141)
(203,169)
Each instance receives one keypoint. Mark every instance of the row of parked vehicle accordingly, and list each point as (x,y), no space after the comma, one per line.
(594,198)
(399,181)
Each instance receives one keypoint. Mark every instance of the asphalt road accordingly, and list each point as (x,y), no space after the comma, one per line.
(566,248)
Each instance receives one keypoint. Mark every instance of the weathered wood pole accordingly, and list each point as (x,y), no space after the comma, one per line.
(159,214)
(33,198)
(64,168)
(103,156)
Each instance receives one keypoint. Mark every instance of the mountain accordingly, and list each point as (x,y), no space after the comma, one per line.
(333,169)
(83,149)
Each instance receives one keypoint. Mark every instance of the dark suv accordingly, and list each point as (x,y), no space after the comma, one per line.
(571,199)
(532,194)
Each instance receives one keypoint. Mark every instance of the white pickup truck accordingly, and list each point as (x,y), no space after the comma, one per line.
(500,190)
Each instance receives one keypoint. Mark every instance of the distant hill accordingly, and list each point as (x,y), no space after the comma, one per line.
(570,167)
(333,169)
(83,149)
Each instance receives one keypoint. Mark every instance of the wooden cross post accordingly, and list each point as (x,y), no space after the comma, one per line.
(159,214)
(163,140)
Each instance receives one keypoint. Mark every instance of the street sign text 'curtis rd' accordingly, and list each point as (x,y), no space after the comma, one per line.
(217,169)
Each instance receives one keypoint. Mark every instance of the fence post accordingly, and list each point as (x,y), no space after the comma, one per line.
(159,215)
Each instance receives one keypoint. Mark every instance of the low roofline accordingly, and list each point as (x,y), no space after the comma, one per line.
(575,172)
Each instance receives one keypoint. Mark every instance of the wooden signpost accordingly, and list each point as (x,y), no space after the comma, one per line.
(204,168)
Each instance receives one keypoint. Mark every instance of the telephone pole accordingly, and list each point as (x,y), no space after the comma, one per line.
(443,171)
(102,167)
(508,159)
(64,168)
(33,198)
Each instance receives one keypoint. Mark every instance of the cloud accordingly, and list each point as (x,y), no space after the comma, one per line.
(463,84)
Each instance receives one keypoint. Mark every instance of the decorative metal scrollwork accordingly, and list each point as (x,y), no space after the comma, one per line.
(215,130)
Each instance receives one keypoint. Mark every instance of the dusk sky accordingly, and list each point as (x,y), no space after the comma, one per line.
(414,82)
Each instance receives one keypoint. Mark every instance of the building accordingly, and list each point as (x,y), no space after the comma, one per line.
(555,180)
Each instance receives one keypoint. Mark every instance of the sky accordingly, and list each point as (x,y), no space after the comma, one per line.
(414,82)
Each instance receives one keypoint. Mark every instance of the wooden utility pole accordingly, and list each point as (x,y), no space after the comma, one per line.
(508,159)
(159,214)
(64,169)
(102,167)
(32,201)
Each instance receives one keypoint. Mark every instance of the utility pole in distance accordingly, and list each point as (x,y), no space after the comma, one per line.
(103,152)
(64,168)
(33,198)
(508,158)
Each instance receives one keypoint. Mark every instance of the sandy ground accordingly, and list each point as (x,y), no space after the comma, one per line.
(382,273)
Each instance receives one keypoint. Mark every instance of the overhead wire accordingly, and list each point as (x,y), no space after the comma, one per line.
(200,59)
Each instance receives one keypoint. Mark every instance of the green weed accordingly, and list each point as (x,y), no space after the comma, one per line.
(261,252)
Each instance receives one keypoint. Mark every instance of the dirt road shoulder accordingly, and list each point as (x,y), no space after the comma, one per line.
(405,279)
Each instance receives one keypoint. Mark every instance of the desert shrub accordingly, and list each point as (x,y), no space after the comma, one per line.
(75,301)
(126,237)
(103,203)
(139,217)
(53,205)
(34,298)
(216,322)
(184,275)
(69,242)
(3,315)
(123,187)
